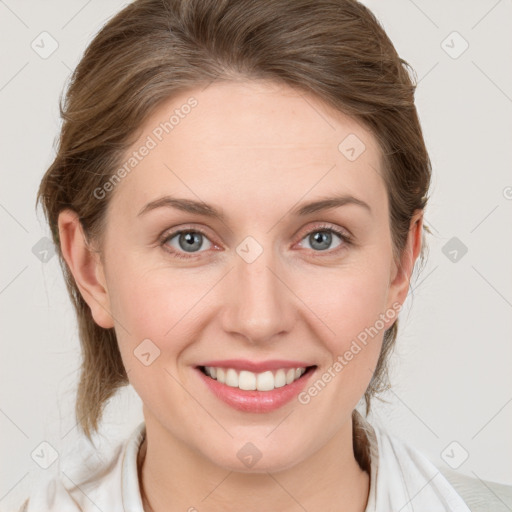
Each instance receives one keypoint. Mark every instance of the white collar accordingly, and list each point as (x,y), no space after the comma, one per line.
(132,501)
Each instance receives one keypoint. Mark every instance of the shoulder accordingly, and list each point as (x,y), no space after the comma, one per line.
(446,484)
(90,483)
(480,495)
(50,495)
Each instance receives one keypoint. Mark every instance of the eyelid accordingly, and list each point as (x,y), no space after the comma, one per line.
(171,232)
(344,233)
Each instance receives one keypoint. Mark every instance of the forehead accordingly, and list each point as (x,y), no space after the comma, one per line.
(250,142)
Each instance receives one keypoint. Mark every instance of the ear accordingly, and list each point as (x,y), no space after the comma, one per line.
(400,282)
(86,267)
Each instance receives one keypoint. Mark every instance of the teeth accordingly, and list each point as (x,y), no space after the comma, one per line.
(265,381)
(231,378)
(280,379)
(249,381)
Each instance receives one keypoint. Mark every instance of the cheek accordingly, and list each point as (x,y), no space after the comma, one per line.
(154,312)
(161,305)
(351,302)
(353,311)
(354,318)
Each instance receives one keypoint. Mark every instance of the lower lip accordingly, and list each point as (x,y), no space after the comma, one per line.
(256,401)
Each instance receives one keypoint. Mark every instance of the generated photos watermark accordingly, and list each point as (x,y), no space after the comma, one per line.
(151,142)
(344,359)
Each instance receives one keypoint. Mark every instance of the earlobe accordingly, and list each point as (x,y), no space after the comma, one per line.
(400,284)
(86,267)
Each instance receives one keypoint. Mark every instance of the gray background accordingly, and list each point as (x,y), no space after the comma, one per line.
(452,392)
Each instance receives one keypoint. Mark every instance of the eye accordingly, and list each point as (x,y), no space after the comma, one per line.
(321,239)
(185,241)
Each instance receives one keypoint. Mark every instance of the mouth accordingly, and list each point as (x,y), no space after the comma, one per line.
(252,387)
(264,381)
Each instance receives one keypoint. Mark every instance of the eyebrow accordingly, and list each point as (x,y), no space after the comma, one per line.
(201,208)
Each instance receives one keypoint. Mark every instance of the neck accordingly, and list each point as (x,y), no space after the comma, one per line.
(173,477)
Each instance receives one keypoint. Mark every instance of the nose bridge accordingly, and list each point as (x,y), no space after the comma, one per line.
(259,303)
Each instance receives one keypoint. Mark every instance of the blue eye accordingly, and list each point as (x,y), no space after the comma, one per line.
(189,241)
(186,243)
(321,239)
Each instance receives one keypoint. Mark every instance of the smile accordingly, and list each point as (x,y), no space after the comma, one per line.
(249,381)
(250,391)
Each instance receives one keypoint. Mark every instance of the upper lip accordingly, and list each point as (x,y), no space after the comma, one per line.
(254,366)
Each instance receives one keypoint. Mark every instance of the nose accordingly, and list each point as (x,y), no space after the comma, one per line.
(258,304)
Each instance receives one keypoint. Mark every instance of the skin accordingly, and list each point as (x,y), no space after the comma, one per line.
(254,150)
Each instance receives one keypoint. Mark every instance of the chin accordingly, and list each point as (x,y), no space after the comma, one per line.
(250,459)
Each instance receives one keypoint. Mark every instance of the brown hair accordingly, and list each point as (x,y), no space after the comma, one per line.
(153,49)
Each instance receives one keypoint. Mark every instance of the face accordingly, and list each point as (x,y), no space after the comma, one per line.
(261,281)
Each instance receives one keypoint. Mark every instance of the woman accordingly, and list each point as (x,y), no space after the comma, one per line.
(237,201)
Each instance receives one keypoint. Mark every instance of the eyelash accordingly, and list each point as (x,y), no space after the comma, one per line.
(345,238)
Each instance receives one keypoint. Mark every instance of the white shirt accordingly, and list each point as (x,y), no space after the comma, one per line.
(401,480)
